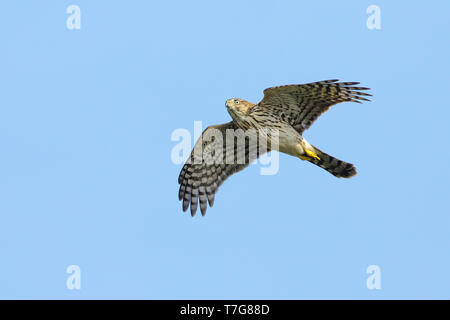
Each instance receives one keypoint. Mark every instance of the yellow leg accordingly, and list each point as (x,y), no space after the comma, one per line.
(304,158)
(312,154)
(308,151)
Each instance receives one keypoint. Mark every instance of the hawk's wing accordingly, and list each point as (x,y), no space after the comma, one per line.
(301,104)
(211,162)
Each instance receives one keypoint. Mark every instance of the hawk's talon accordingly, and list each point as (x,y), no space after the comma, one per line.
(304,158)
(311,154)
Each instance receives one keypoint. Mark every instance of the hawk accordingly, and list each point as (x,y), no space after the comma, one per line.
(288,110)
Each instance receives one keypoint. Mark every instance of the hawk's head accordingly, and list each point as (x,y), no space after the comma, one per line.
(238,107)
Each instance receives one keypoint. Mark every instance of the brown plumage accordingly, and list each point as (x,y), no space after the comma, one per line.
(289,110)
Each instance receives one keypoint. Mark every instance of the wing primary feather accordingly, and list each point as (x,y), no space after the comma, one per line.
(181,192)
(359,93)
(348,83)
(186,202)
(194,201)
(202,199)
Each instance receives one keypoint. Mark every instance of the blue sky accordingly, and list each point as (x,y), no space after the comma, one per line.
(87,179)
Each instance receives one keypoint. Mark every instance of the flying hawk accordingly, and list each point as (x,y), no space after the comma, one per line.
(287,110)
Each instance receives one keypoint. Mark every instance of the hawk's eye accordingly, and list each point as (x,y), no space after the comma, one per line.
(236,101)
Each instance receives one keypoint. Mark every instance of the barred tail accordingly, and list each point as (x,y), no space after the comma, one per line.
(334,166)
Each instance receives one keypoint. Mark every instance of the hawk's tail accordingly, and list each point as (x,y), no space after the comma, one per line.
(334,166)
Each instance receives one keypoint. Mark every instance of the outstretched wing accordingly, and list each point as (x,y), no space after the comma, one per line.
(302,104)
(211,162)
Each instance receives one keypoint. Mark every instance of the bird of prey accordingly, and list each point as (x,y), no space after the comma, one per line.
(288,110)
